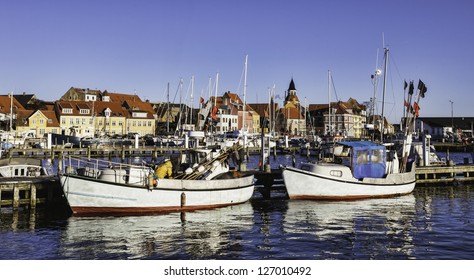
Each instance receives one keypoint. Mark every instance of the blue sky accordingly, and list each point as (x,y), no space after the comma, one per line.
(141,46)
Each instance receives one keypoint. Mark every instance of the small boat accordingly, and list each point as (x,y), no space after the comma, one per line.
(22,167)
(361,169)
(104,187)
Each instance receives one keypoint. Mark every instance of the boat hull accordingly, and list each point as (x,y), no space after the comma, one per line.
(92,196)
(302,184)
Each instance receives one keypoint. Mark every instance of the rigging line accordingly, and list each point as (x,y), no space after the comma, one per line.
(177,91)
(240,82)
(392,60)
(393,96)
(334,88)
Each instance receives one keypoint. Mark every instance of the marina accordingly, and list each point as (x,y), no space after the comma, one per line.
(432,223)
(269,180)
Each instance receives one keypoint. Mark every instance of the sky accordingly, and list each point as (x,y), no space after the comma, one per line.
(139,47)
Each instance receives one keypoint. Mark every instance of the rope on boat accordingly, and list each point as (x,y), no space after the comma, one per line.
(202,171)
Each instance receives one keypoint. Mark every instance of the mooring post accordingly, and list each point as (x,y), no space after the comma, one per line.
(16,197)
(32,196)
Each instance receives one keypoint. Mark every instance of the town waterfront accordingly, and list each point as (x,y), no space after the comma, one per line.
(433,223)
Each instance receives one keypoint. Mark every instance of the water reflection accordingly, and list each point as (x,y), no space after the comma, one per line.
(18,219)
(195,235)
(373,228)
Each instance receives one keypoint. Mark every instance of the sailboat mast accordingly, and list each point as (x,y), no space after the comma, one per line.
(215,93)
(383,94)
(329,101)
(168,110)
(11,112)
(245,92)
(191,103)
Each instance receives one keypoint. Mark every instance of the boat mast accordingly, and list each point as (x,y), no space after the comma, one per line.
(329,102)
(215,94)
(11,112)
(383,93)
(245,93)
(191,103)
(375,80)
(168,110)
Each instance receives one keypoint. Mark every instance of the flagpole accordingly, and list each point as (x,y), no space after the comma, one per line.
(404,99)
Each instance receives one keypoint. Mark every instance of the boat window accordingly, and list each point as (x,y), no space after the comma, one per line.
(16,172)
(377,156)
(335,173)
(362,157)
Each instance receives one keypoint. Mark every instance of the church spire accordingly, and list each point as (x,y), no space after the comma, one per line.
(292,86)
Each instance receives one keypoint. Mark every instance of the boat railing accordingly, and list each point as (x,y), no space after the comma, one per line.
(94,168)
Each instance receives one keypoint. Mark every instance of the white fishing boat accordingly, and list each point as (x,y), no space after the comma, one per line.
(95,187)
(22,168)
(361,169)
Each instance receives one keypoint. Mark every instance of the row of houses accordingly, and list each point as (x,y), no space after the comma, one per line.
(85,112)
(79,112)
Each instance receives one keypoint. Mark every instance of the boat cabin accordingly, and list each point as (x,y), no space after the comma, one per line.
(366,159)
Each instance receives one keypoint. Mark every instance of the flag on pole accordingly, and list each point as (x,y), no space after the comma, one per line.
(422,88)
(201,100)
(214,113)
(411,88)
(417,109)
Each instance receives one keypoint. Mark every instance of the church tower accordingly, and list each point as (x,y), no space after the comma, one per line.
(291,100)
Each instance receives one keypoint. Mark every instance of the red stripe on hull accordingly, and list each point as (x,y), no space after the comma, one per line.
(349,197)
(84,211)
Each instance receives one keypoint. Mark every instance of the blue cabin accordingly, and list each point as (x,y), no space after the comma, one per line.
(367,159)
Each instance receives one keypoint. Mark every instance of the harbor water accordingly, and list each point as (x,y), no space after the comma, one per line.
(433,223)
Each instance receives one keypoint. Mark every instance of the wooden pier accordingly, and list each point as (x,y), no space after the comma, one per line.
(432,175)
(28,192)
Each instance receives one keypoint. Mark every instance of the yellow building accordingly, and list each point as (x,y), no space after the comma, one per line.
(40,122)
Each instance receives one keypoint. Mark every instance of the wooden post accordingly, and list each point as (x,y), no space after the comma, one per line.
(52,154)
(16,197)
(88,152)
(123,153)
(32,196)
(183,199)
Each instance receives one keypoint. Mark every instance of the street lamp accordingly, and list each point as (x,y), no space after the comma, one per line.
(452,119)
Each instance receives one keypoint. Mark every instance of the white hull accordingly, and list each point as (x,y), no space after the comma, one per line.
(302,184)
(22,167)
(92,196)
